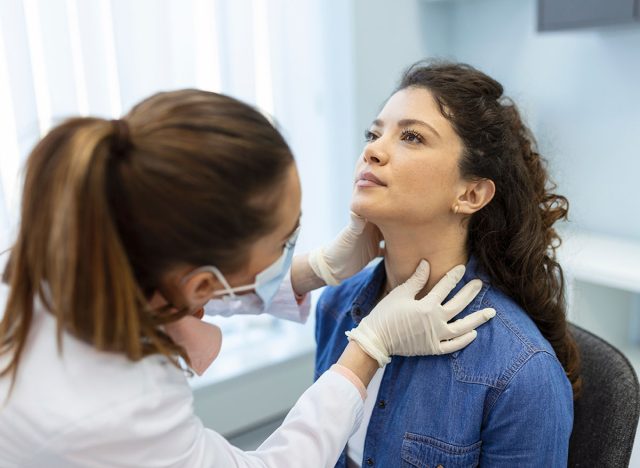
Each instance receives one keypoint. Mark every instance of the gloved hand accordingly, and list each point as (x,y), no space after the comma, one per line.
(350,251)
(401,325)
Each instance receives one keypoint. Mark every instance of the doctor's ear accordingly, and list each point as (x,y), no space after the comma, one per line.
(477,194)
(200,287)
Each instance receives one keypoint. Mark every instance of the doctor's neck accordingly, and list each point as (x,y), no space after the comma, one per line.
(443,246)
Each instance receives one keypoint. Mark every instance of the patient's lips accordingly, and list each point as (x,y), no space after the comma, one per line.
(367,179)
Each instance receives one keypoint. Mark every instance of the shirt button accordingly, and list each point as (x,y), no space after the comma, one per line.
(357,311)
(382,404)
(370,461)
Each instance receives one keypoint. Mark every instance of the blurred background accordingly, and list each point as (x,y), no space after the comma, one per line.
(322,69)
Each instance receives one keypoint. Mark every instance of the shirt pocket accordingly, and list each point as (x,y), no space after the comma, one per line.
(420,451)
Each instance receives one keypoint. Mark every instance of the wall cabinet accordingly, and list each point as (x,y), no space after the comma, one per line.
(568,14)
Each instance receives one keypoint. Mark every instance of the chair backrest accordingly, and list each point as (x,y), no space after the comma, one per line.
(606,414)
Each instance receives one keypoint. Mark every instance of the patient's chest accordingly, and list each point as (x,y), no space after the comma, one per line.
(418,415)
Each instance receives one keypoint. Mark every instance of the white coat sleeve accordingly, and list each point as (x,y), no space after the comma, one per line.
(154,432)
(286,306)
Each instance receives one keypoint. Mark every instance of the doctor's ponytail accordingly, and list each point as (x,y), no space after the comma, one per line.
(109,206)
(69,253)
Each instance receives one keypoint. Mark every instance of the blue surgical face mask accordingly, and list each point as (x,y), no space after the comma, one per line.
(226,302)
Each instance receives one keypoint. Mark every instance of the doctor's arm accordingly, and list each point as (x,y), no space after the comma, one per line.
(351,250)
(313,434)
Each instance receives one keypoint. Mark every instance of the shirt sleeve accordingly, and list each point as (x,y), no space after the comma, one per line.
(163,431)
(531,421)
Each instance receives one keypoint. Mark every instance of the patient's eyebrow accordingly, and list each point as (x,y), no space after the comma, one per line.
(407,123)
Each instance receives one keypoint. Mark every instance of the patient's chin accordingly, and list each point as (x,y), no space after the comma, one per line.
(358,207)
(366,209)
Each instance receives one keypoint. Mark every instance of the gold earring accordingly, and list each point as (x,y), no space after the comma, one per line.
(456,209)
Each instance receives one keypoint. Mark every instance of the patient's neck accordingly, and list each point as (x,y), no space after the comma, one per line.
(442,247)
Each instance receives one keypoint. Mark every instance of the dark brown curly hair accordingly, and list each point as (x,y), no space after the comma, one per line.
(513,236)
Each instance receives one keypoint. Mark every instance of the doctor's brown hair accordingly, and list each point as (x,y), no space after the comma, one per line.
(513,236)
(186,178)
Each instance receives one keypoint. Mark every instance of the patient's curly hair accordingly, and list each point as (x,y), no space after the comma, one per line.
(513,236)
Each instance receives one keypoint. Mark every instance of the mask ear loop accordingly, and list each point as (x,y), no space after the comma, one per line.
(230,291)
(223,280)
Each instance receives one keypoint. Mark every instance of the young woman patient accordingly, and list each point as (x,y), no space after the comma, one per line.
(450,173)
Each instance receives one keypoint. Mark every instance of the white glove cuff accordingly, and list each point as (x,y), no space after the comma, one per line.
(320,267)
(372,347)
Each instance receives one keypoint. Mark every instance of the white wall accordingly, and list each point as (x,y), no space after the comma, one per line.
(580,91)
(387,38)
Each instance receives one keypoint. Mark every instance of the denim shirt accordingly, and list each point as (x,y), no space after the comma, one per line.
(503,401)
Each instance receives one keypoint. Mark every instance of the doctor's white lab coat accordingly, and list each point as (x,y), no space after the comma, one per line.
(87,408)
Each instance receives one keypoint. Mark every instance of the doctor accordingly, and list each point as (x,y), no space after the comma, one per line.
(129,229)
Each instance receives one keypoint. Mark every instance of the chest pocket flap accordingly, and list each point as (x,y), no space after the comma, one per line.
(420,451)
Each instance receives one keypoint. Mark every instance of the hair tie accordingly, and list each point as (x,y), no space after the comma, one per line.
(121,142)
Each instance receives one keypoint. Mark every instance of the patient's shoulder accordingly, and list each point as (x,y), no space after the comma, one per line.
(503,345)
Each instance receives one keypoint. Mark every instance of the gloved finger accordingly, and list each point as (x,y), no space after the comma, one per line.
(441,290)
(357,223)
(470,322)
(462,298)
(419,278)
(458,343)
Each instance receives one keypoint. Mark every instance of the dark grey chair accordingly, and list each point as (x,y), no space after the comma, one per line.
(606,415)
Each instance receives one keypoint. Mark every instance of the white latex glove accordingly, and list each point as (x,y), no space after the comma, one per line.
(401,325)
(350,252)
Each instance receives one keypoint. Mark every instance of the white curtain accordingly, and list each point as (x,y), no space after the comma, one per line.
(290,58)
(60,58)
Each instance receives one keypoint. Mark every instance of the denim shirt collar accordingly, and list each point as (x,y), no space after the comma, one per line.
(365,299)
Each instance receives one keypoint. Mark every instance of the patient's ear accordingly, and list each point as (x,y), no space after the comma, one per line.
(478,193)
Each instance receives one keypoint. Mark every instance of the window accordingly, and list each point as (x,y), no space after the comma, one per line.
(60,58)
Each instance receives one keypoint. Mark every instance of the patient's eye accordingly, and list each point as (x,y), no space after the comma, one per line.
(411,136)
(370,136)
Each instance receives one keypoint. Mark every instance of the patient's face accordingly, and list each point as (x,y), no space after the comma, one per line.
(413,152)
